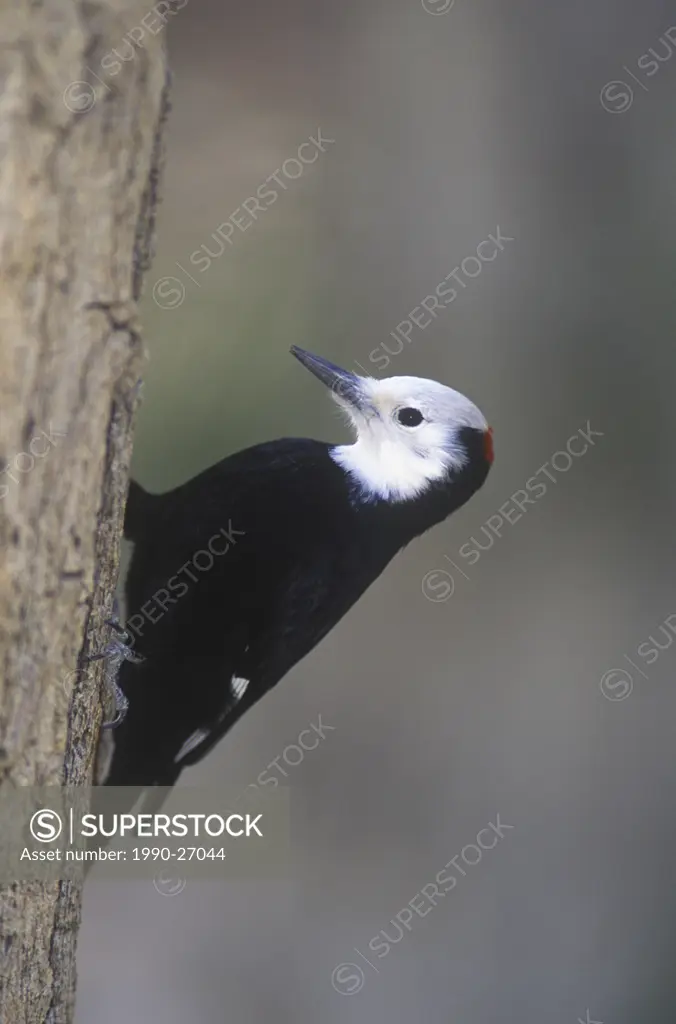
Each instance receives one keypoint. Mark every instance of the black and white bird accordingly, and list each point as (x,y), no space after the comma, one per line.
(312,524)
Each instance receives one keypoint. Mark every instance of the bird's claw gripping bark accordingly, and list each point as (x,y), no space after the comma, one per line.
(114,654)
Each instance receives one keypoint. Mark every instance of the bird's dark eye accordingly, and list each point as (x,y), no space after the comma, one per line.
(409,417)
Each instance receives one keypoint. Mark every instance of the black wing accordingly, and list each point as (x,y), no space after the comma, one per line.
(293,560)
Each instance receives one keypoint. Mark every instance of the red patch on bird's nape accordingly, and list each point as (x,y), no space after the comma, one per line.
(488,446)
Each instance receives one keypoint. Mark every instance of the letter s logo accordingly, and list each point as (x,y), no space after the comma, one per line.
(46,826)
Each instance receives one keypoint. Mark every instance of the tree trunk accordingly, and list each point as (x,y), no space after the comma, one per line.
(80,145)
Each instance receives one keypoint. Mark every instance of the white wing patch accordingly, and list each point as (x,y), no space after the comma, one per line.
(238,687)
(191,742)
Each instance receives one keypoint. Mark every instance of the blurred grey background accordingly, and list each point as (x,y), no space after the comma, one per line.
(448,122)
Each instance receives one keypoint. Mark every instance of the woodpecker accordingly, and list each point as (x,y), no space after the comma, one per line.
(312,524)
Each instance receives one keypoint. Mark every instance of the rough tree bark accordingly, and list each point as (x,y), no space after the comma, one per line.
(80,144)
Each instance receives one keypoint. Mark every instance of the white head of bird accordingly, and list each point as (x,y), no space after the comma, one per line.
(409,430)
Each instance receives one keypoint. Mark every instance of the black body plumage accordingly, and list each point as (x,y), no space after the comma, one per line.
(305,545)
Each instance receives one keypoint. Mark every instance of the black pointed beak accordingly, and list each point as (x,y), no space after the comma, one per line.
(344,384)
